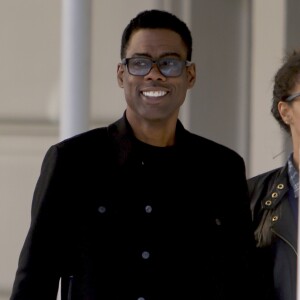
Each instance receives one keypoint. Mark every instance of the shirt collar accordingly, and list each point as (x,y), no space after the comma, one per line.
(293,175)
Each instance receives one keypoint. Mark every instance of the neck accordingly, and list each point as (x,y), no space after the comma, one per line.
(156,133)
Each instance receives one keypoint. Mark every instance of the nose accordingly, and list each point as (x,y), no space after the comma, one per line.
(155,73)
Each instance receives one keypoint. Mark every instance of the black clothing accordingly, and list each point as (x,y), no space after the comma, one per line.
(118,219)
(275,231)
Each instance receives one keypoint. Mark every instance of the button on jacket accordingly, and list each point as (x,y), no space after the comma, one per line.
(117,219)
(275,231)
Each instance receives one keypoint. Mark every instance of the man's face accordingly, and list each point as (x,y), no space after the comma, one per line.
(154,96)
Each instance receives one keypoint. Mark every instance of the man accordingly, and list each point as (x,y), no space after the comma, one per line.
(141,209)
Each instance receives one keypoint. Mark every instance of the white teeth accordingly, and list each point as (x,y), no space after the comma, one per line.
(154,93)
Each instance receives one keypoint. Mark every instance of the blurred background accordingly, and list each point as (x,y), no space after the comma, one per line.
(238,47)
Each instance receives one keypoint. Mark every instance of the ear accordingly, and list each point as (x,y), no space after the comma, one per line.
(191,74)
(120,74)
(285,111)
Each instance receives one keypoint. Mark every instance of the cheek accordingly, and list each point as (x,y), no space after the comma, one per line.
(183,87)
(296,114)
(130,88)
(295,120)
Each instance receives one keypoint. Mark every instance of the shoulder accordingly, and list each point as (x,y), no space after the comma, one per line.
(213,149)
(97,137)
(268,177)
(85,141)
(83,145)
(85,138)
(264,184)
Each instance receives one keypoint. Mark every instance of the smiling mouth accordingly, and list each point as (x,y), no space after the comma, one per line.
(154,93)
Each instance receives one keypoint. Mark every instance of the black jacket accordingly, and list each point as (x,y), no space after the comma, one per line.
(275,231)
(117,219)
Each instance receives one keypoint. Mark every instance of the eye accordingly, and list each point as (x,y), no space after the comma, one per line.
(139,62)
(167,62)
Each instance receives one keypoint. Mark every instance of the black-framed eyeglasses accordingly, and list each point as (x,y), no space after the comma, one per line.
(292,97)
(169,67)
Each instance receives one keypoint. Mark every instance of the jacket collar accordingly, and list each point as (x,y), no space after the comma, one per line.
(280,187)
(122,138)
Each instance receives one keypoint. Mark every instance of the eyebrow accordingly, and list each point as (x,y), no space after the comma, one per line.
(162,55)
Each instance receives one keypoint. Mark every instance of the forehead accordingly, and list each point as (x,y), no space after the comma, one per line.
(156,43)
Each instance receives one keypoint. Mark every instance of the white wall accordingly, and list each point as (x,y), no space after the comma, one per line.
(268,46)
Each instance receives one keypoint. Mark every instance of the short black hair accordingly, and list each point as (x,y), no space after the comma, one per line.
(157,19)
